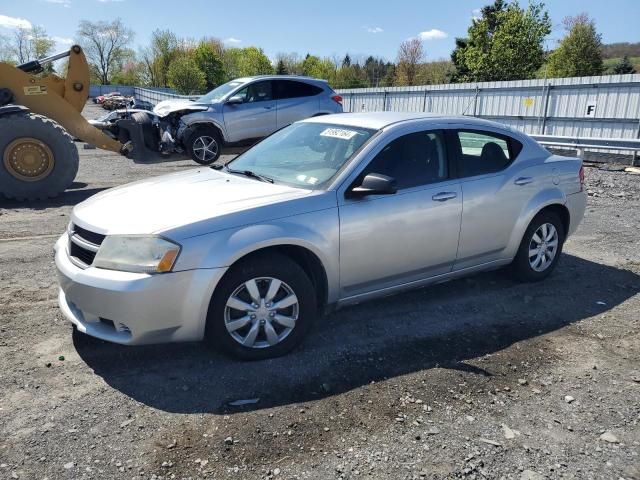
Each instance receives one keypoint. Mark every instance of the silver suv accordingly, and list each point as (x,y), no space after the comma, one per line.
(245,110)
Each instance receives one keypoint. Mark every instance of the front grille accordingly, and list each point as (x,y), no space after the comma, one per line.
(82,254)
(91,237)
(83,245)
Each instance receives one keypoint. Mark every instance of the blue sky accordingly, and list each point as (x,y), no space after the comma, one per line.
(326,28)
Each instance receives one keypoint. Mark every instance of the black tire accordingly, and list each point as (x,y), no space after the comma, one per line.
(149,132)
(521,267)
(200,132)
(59,142)
(274,266)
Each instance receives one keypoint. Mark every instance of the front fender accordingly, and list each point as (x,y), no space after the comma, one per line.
(544,198)
(188,123)
(317,232)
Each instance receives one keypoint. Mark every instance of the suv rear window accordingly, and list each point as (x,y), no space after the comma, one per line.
(294,89)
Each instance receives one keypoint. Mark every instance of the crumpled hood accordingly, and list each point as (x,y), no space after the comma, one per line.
(166,107)
(171,201)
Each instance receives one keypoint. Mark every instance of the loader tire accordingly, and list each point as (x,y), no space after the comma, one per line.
(38,157)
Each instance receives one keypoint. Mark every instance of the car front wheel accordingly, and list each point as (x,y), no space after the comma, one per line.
(204,145)
(540,248)
(262,308)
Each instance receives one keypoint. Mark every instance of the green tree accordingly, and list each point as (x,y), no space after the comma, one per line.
(624,66)
(245,62)
(209,63)
(314,66)
(159,55)
(291,61)
(390,77)
(434,73)
(31,44)
(505,43)
(349,77)
(281,69)
(185,76)
(580,51)
(254,62)
(375,70)
(132,73)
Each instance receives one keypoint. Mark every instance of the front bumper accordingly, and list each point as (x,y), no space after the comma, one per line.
(134,308)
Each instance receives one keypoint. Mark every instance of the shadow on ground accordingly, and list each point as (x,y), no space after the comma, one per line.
(75,194)
(438,326)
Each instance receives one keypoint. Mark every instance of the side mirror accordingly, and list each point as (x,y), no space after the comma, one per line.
(235,100)
(375,184)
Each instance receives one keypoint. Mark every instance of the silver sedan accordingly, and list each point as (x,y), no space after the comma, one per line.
(324,213)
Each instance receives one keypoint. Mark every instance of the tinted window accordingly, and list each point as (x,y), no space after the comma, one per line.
(256,92)
(293,89)
(485,152)
(415,159)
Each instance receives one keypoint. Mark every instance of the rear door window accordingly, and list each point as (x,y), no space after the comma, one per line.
(484,152)
(294,89)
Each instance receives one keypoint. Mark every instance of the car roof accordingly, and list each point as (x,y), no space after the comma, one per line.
(380,120)
(281,77)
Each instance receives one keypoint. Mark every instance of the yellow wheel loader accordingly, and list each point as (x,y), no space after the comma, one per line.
(39,118)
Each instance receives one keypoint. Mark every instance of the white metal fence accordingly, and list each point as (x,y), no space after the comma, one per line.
(603,107)
(596,107)
(155,96)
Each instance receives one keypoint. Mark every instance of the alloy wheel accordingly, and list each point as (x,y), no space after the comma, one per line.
(543,247)
(261,312)
(205,148)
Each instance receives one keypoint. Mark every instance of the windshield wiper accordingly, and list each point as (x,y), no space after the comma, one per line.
(250,174)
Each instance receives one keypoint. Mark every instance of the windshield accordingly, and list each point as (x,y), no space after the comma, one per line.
(303,154)
(218,93)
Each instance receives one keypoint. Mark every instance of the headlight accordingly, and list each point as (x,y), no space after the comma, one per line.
(140,254)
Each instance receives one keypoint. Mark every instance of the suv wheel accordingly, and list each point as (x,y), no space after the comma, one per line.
(540,248)
(261,309)
(204,145)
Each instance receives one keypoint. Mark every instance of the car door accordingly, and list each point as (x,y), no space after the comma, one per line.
(388,240)
(295,101)
(255,117)
(494,191)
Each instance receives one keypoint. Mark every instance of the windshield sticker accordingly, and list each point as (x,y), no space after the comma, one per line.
(312,180)
(338,133)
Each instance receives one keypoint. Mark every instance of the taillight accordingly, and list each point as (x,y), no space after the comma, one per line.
(581,177)
(337,99)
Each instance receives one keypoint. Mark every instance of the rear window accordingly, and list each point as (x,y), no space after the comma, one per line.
(485,152)
(295,89)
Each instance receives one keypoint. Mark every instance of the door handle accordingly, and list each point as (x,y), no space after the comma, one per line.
(444,196)
(268,108)
(523,181)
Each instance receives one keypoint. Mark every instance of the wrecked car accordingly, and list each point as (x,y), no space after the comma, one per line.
(237,113)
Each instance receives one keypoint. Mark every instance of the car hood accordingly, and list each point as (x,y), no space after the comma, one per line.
(166,107)
(203,201)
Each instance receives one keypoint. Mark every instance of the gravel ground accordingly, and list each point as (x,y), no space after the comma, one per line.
(477,378)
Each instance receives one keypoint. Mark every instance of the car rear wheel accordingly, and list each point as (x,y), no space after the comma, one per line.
(540,248)
(261,309)
(204,145)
